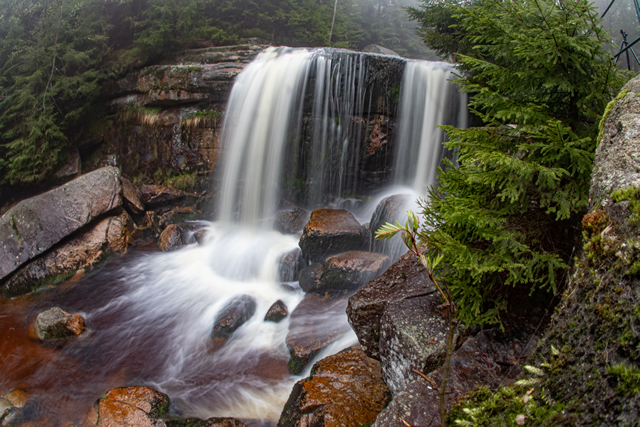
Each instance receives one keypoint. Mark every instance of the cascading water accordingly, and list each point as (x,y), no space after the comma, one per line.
(296,118)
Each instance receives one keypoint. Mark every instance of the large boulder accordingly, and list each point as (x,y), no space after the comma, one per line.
(110,236)
(132,406)
(344,390)
(234,315)
(488,360)
(312,329)
(55,324)
(34,225)
(330,232)
(351,270)
(404,280)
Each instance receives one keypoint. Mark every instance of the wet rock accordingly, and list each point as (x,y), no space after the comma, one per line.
(17,398)
(488,359)
(351,270)
(200,236)
(132,197)
(289,266)
(55,324)
(71,168)
(291,222)
(365,230)
(404,280)
(312,327)
(108,237)
(234,315)
(389,209)
(344,390)
(34,225)
(330,232)
(136,406)
(172,238)
(276,312)
(211,422)
(413,336)
(160,195)
(309,278)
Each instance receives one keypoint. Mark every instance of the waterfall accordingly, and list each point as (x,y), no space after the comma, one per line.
(428,99)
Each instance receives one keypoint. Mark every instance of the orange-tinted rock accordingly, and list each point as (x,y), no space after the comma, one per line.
(172,238)
(330,232)
(311,329)
(276,312)
(137,406)
(344,390)
(57,324)
(17,398)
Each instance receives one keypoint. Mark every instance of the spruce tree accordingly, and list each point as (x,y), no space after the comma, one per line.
(540,80)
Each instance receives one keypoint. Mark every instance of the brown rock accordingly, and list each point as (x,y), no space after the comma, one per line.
(132,197)
(172,238)
(34,225)
(344,390)
(310,276)
(234,315)
(291,222)
(351,270)
(289,266)
(56,324)
(211,422)
(330,232)
(17,398)
(137,406)
(276,312)
(107,237)
(405,279)
(311,329)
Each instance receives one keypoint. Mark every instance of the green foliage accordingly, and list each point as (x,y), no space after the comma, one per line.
(540,80)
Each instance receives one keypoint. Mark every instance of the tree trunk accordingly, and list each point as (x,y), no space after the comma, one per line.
(333,21)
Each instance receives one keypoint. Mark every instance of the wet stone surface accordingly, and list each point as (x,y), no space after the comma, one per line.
(344,390)
(56,324)
(330,232)
(236,314)
(137,406)
(276,312)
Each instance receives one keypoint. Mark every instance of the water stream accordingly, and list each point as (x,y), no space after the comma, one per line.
(293,114)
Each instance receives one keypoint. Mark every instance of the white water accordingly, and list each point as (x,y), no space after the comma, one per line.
(179,294)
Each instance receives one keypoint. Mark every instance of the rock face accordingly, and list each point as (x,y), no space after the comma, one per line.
(234,315)
(344,390)
(350,270)
(389,209)
(309,333)
(291,222)
(617,160)
(158,195)
(135,406)
(56,324)
(132,197)
(36,224)
(487,360)
(330,232)
(107,237)
(404,280)
(276,312)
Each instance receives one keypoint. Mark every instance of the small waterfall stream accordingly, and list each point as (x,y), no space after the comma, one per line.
(296,117)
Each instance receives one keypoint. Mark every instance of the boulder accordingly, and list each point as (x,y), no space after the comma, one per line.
(351,270)
(311,329)
(344,390)
(172,238)
(110,236)
(330,232)
(289,266)
(276,312)
(135,406)
(132,197)
(413,336)
(309,278)
(234,315)
(489,360)
(160,195)
(404,280)
(291,222)
(389,209)
(34,225)
(200,236)
(55,324)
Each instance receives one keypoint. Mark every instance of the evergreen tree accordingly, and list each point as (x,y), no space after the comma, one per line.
(540,80)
